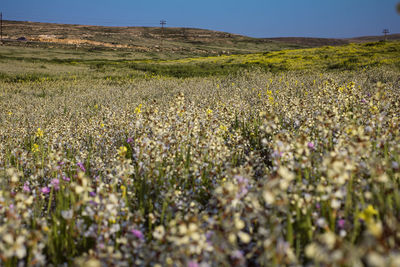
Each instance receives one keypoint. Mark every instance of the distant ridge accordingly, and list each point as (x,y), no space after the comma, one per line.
(363,39)
(151,39)
(310,41)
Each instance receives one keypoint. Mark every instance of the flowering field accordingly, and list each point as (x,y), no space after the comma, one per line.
(326,58)
(257,169)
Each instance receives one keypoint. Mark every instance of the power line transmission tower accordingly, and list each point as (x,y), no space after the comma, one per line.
(385,32)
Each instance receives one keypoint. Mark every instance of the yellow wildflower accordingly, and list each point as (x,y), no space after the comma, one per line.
(35,148)
(367,214)
(271,100)
(122,151)
(123,188)
(223,128)
(138,109)
(373,109)
(39,133)
(373,226)
(351,85)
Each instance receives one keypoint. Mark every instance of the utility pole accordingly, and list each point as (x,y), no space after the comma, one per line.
(162,22)
(1,27)
(385,32)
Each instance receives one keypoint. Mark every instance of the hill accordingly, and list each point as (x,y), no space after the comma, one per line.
(180,41)
(363,39)
(172,42)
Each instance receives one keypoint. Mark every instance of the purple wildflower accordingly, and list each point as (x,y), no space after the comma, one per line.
(26,187)
(277,154)
(193,264)
(45,190)
(80,165)
(92,194)
(243,186)
(93,203)
(65,178)
(237,254)
(129,140)
(137,233)
(55,183)
(395,165)
(209,234)
(341,223)
(60,164)
(310,145)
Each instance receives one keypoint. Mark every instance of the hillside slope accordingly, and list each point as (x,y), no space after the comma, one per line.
(178,41)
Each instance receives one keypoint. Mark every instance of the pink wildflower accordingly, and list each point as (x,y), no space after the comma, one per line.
(193,264)
(341,223)
(55,183)
(81,166)
(26,187)
(45,190)
(310,145)
(138,234)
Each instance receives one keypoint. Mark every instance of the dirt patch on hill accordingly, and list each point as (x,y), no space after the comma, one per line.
(51,39)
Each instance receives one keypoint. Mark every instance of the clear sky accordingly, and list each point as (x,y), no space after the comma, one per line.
(257,18)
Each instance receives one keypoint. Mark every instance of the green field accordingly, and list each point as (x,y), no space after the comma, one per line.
(269,159)
(26,63)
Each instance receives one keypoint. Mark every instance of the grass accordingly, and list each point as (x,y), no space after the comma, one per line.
(347,57)
(104,64)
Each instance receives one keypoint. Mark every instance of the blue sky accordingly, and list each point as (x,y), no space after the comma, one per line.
(267,18)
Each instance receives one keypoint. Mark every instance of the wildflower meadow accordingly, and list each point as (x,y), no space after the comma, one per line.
(292,167)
